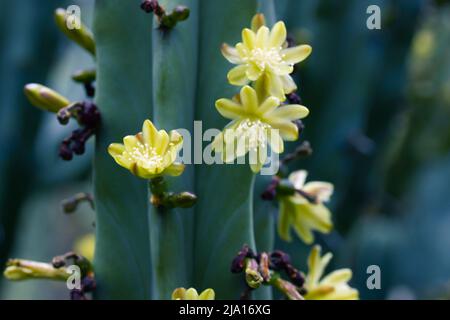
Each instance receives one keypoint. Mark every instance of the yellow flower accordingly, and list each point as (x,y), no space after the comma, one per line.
(334,286)
(261,57)
(302,214)
(85,246)
(192,294)
(255,124)
(150,153)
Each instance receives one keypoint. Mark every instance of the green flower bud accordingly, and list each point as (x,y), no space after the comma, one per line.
(45,98)
(253,278)
(82,36)
(17,269)
(184,199)
(84,76)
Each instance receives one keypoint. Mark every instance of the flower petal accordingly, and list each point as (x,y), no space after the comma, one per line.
(175,137)
(298,178)
(317,216)
(124,161)
(319,293)
(337,277)
(258,21)
(229,109)
(130,143)
(207,294)
(242,50)
(249,99)
(258,158)
(283,70)
(162,143)
(270,104)
(262,37)
(230,53)
(175,169)
(237,76)
(218,143)
(296,54)
(191,294)
(290,112)
(289,85)
(284,220)
(275,141)
(274,86)
(253,72)
(248,38)
(178,294)
(343,292)
(303,232)
(138,170)
(321,190)
(288,130)
(278,35)
(116,149)
(315,269)
(149,133)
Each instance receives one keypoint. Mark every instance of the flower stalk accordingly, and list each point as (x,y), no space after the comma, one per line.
(70,205)
(162,198)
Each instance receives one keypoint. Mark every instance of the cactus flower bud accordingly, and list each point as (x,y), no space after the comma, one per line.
(45,98)
(252,275)
(82,36)
(18,269)
(84,76)
(184,199)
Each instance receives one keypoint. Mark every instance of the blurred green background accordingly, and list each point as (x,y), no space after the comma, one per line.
(379,127)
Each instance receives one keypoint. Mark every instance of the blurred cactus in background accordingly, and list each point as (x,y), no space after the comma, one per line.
(377,132)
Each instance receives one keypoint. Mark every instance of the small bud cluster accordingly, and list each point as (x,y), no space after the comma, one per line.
(166,21)
(161,198)
(88,283)
(264,268)
(88,117)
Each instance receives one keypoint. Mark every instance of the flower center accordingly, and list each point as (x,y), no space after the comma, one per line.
(265,57)
(146,156)
(254,133)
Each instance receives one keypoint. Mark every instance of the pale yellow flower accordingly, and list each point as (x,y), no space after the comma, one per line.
(254,125)
(261,57)
(192,294)
(333,286)
(150,153)
(85,246)
(302,214)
